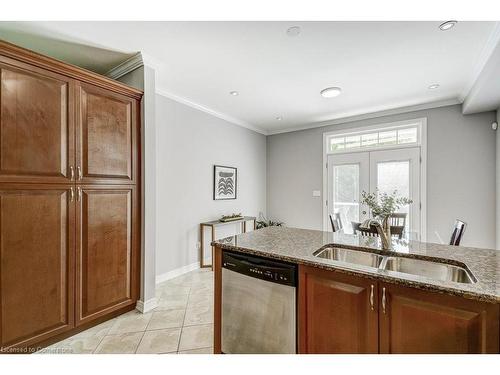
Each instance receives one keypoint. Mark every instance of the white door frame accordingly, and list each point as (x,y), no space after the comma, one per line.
(422,143)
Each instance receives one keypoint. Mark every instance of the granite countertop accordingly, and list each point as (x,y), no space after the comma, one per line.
(297,246)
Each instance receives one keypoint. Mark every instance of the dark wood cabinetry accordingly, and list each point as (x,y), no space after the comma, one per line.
(416,321)
(338,313)
(69,197)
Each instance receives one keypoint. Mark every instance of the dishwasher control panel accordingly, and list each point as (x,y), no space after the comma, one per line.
(261,268)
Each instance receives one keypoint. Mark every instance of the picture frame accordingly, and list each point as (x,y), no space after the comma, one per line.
(225,182)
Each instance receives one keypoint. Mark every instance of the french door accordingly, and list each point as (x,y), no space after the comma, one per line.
(349,174)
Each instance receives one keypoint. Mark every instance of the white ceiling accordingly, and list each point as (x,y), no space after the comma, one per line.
(379,65)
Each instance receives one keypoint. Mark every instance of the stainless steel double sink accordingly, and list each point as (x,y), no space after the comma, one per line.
(426,268)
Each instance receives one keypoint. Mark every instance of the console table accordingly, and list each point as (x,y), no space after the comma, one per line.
(217,223)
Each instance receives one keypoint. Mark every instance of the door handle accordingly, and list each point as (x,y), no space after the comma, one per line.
(79,198)
(372,297)
(71,195)
(71,173)
(80,175)
(384,300)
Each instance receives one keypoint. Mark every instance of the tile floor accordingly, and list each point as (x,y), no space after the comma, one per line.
(182,323)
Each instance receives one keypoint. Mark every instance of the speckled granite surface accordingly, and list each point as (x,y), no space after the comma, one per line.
(298,245)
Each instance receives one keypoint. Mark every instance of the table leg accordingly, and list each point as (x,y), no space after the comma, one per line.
(202,242)
(254,224)
(244,227)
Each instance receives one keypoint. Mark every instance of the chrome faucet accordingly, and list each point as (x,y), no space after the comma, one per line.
(385,235)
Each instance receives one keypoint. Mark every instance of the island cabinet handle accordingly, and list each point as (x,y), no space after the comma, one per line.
(71,195)
(80,175)
(383,300)
(71,173)
(371,297)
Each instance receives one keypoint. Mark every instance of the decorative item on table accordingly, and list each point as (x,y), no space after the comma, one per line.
(232,217)
(225,182)
(263,223)
(382,206)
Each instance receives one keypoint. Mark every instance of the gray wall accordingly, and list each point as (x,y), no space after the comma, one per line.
(460,173)
(189,143)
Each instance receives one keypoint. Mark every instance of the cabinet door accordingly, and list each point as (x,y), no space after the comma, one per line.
(107,259)
(37,234)
(36,125)
(416,321)
(107,137)
(336,312)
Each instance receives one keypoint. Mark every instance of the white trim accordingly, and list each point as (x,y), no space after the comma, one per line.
(147,306)
(422,123)
(483,59)
(212,112)
(343,119)
(177,272)
(126,67)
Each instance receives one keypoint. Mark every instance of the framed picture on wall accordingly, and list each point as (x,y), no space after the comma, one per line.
(225,182)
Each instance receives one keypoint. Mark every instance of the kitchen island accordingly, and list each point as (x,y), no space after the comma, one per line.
(353,297)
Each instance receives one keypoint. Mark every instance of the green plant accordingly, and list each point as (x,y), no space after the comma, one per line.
(268,223)
(383,205)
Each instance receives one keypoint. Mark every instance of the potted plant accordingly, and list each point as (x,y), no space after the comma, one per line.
(382,206)
(263,223)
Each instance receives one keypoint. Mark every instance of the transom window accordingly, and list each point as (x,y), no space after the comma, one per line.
(408,134)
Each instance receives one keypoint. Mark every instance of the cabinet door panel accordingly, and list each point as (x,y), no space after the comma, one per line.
(107,256)
(108,132)
(418,321)
(36,130)
(36,270)
(335,314)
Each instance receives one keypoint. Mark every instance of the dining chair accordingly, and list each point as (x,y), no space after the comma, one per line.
(458,232)
(398,219)
(336,222)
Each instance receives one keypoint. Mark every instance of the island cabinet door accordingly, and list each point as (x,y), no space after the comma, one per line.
(337,313)
(416,321)
(107,256)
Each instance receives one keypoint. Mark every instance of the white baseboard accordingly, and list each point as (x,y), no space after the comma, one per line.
(147,306)
(177,272)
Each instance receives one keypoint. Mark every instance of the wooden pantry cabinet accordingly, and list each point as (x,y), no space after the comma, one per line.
(69,198)
(341,313)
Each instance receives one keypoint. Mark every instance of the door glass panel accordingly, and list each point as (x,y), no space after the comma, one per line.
(346,194)
(395,175)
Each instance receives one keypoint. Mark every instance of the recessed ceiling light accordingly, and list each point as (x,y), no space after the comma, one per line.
(234,93)
(293,31)
(279,118)
(433,87)
(331,92)
(447,25)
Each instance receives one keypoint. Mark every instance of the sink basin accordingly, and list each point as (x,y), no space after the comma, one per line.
(432,270)
(350,256)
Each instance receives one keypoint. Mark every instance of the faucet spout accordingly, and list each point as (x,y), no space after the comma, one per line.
(383,230)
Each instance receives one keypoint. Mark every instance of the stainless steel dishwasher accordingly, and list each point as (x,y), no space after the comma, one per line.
(258,305)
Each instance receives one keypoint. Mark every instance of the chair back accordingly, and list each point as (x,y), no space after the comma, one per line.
(398,219)
(336,222)
(458,232)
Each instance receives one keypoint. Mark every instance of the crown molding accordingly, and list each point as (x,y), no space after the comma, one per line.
(485,55)
(210,111)
(126,67)
(369,115)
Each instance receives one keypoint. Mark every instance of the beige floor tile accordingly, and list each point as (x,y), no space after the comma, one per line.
(100,330)
(80,345)
(196,337)
(136,322)
(160,341)
(172,302)
(125,343)
(199,314)
(166,319)
(175,290)
(199,351)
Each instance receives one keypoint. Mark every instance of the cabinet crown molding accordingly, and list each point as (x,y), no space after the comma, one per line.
(30,57)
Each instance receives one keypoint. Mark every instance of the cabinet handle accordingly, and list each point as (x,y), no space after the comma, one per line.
(79,194)
(71,195)
(71,173)
(383,300)
(371,298)
(80,175)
